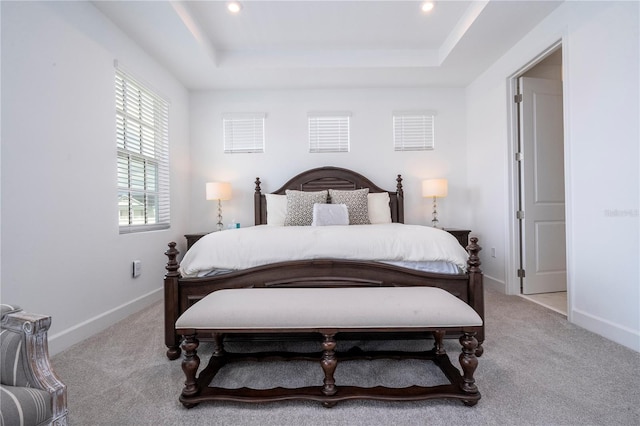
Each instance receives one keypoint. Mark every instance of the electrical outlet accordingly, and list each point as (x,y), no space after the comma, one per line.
(137,268)
(493,252)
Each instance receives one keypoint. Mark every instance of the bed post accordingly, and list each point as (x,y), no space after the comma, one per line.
(257,203)
(171,303)
(476,290)
(400,198)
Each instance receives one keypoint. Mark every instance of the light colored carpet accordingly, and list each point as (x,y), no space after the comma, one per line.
(537,369)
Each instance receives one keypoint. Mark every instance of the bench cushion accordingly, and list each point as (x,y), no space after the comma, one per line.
(314,308)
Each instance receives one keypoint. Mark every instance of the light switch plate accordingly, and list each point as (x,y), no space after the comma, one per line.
(137,268)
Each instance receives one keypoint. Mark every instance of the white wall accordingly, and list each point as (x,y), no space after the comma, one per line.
(287,148)
(601,57)
(62,254)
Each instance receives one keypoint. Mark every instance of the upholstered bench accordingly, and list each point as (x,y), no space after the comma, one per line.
(328,311)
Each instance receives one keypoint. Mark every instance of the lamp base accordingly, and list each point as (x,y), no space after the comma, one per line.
(219,225)
(434,215)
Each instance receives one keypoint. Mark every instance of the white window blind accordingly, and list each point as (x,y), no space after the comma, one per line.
(142,136)
(243,132)
(413,130)
(329,132)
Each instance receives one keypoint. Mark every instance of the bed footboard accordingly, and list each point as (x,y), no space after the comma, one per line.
(181,293)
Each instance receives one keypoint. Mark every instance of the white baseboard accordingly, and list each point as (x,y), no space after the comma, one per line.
(607,329)
(72,335)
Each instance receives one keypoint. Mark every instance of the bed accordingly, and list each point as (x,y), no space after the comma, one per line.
(187,283)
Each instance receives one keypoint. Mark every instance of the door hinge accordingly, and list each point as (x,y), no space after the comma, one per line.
(520,214)
(520,273)
(517,98)
(519,156)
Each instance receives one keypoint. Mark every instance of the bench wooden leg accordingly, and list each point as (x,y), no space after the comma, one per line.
(461,385)
(469,363)
(329,364)
(190,365)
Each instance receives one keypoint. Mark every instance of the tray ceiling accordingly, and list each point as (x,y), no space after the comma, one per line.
(325,44)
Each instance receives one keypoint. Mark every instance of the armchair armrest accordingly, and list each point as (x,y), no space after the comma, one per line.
(25,358)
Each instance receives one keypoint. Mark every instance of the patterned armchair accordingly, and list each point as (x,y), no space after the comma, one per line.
(30,392)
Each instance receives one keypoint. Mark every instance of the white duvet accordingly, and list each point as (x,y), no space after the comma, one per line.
(260,245)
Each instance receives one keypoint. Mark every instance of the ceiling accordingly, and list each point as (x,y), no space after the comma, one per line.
(326,44)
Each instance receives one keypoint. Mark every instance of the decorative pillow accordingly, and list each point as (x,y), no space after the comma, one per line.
(330,214)
(356,202)
(276,209)
(300,206)
(379,210)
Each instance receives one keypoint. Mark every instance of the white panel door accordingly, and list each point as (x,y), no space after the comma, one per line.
(542,145)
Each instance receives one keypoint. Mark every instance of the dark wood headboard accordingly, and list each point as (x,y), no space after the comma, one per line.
(323,178)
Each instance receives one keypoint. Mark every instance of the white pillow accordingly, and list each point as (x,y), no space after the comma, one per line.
(276,209)
(379,210)
(330,214)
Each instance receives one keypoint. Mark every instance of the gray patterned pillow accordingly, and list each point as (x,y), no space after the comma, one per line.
(357,204)
(300,206)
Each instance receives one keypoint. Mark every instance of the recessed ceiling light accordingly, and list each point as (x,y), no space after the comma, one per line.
(427,6)
(234,7)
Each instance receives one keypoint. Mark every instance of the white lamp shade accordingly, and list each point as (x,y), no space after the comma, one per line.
(218,191)
(434,188)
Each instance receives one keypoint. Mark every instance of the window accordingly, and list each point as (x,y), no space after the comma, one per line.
(329,132)
(142,129)
(243,132)
(413,130)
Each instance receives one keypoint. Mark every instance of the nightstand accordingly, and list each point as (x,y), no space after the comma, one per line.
(192,238)
(462,235)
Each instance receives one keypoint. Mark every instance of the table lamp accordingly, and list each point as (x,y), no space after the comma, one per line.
(434,188)
(219,191)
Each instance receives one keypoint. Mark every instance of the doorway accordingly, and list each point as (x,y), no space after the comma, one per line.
(538,174)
